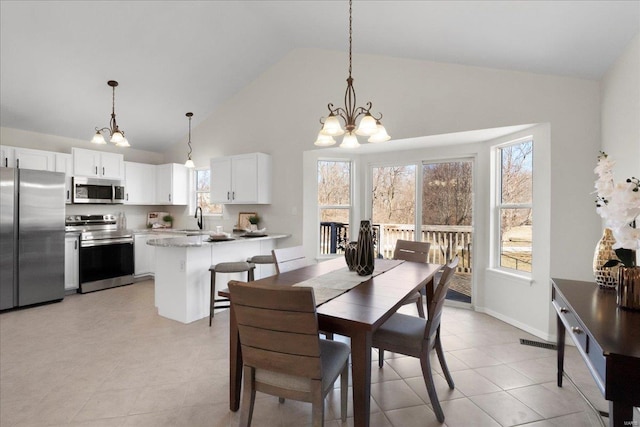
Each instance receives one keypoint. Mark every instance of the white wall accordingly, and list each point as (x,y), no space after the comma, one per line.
(620,90)
(278,114)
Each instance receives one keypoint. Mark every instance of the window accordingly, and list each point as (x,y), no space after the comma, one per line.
(334,204)
(202,185)
(514,196)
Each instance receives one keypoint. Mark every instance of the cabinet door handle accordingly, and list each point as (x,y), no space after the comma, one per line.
(169,197)
(576,330)
(228,195)
(18,163)
(6,162)
(96,170)
(127,197)
(564,310)
(68,195)
(233,195)
(75,245)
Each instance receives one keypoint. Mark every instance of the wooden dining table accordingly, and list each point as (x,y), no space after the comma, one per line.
(356,313)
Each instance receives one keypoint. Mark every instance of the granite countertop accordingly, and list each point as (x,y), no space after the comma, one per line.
(203,240)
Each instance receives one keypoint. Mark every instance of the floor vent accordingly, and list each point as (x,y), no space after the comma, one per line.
(538,344)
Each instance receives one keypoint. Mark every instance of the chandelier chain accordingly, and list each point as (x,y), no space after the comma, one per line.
(350,36)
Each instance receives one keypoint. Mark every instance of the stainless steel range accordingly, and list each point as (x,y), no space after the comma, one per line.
(106,252)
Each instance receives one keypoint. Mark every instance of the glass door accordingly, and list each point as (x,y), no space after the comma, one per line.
(447,219)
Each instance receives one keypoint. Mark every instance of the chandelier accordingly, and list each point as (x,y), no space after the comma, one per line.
(369,125)
(189,162)
(117,135)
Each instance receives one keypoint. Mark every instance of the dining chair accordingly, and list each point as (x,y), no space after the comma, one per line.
(417,252)
(288,259)
(282,353)
(416,337)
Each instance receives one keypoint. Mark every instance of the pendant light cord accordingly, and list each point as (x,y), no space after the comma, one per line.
(350,36)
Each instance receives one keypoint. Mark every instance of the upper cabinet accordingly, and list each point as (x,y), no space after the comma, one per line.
(139,183)
(97,164)
(241,179)
(64,163)
(172,184)
(26,158)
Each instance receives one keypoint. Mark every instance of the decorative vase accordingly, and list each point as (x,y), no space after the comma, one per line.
(365,261)
(605,276)
(629,288)
(351,255)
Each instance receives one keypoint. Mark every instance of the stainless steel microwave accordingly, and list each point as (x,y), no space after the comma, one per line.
(94,190)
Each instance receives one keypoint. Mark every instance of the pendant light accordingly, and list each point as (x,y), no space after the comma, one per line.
(116,135)
(369,125)
(189,162)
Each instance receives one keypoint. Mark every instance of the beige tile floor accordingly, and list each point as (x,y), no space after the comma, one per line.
(107,359)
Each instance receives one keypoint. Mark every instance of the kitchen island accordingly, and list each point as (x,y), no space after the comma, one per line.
(182,278)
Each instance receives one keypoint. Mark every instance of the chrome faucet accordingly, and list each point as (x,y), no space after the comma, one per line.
(199,218)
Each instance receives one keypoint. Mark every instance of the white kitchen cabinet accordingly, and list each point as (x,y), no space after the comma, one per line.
(139,183)
(98,164)
(64,163)
(241,179)
(172,184)
(71,262)
(6,156)
(144,255)
(26,158)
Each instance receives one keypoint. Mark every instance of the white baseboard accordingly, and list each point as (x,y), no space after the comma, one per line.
(540,334)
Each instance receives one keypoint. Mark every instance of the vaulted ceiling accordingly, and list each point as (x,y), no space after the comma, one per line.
(171,57)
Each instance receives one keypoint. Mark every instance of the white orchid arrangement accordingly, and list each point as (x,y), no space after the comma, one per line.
(619,205)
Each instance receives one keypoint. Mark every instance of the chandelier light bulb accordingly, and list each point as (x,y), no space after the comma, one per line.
(117,137)
(98,138)
(124,143)
(349,141)
(381,135)
(324,140)
(332,126)
(189,163)
(367,126)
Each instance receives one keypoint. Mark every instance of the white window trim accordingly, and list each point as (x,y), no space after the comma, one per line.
(348,207)
(193,194)
(496,208)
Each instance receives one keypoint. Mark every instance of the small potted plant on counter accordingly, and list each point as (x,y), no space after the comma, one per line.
(168,220)
(254,220)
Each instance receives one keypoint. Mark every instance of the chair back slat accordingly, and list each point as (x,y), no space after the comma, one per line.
(279,341)
(439,295)
(278,328)
(408,250)
(292,321)
(287,259)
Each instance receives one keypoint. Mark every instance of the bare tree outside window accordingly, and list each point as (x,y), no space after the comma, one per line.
(515,205)
(448,197)
(202,182)
(394,194)
(334,203)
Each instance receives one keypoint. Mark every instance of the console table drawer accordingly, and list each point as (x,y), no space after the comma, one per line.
(574,328)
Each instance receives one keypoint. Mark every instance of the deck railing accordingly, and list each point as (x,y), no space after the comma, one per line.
(446,241)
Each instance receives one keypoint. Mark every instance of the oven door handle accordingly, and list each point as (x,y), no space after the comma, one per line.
(105,242)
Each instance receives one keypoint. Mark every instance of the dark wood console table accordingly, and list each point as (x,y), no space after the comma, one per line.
(608,339)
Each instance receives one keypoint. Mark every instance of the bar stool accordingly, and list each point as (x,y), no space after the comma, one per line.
(262,259)
(226,267)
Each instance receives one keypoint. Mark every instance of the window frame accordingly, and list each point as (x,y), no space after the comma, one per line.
(193,191)
(348,208)
(498,206)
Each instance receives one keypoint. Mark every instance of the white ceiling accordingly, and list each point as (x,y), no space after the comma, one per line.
(171,57)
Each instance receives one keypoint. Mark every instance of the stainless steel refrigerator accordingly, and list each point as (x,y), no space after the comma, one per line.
(31,237)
